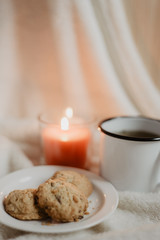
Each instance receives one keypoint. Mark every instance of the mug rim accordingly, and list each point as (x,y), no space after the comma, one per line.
(115,135)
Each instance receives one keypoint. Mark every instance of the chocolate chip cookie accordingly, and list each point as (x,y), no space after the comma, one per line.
(21,204)
(79,180)
(61,200)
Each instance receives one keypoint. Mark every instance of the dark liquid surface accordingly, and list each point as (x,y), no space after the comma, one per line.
(138,134)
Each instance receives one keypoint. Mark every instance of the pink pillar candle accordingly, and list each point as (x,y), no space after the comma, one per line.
(66,147)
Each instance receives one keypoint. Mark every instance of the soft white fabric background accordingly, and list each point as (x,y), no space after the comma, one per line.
(100,57)
(56,53)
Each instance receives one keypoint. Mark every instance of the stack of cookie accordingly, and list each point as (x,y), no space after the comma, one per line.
(63,198)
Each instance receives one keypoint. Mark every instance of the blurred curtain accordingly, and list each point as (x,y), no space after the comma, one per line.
(99,57)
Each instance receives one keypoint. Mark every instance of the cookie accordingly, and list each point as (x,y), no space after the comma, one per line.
(79,180)
(62,201)
(21,204)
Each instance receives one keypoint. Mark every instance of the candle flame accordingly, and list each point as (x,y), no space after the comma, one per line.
(64,124)
(69,112)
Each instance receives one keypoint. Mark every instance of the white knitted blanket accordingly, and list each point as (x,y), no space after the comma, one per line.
(137,215)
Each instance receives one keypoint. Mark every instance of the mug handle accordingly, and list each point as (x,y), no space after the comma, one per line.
(155,178)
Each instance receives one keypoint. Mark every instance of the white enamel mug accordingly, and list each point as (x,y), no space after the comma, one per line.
(129,162)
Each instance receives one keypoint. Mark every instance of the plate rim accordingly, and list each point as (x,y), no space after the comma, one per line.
(88,173)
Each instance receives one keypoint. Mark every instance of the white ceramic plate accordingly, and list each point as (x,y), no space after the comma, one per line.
(102,202)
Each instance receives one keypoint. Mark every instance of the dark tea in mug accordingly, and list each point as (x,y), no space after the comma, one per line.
(138,134)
